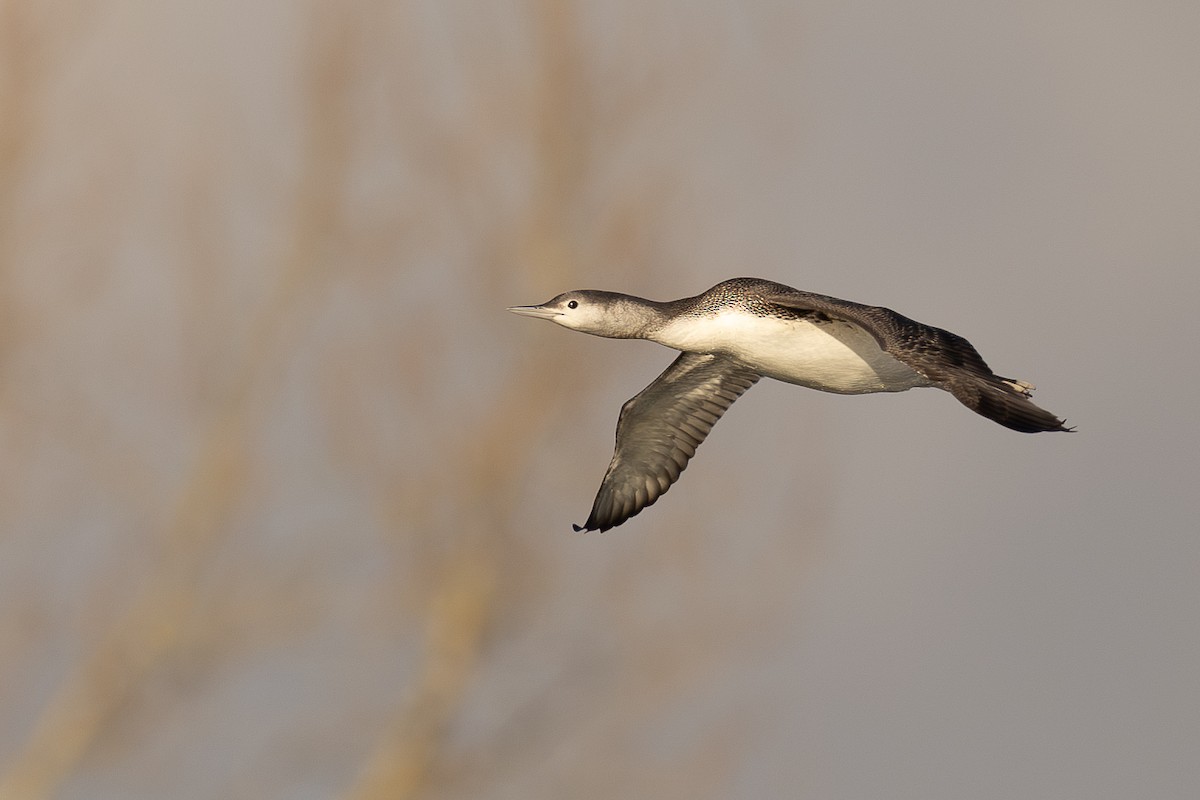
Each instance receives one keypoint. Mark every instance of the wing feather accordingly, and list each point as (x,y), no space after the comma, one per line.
(659,430)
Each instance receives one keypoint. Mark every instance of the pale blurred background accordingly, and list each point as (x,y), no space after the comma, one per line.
(285,495)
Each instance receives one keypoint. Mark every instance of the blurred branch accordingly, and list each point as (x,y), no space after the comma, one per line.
(464,597)
(457,617)
(91,697)
(486,459)
(29,46)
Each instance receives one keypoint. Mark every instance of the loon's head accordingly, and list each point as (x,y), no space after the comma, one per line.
(617,316)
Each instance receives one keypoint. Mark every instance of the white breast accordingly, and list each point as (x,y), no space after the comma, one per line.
(833,357)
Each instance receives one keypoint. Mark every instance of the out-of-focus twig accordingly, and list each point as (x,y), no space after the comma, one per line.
(155,625)
(456,619)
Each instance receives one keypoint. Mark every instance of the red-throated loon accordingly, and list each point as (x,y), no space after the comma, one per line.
(747,328)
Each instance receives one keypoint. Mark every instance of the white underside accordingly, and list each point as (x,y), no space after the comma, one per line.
(832,357)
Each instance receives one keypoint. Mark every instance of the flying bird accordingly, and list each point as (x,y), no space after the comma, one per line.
(747,328)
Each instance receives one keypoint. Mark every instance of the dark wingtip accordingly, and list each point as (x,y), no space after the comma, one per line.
(1059,426)
(578,529)
(1025,425)
(1008,407)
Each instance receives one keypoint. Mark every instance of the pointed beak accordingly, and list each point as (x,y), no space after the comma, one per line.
(541,312)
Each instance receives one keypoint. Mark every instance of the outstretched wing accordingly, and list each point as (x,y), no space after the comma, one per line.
(660,429)
(946,359)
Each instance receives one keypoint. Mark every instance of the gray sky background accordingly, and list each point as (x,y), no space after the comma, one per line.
(286,496)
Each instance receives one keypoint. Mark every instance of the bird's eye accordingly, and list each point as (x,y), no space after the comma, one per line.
(573,304)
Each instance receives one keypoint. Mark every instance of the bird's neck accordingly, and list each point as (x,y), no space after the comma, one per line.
(636,317)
